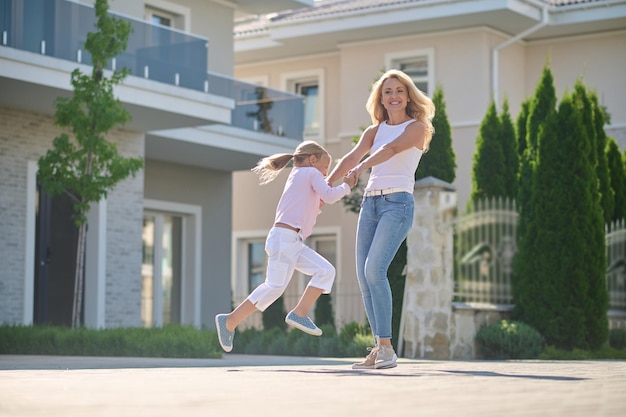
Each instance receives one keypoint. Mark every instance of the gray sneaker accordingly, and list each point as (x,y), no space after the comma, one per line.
(385,358)
(370,360)
(224,335)
(303,323)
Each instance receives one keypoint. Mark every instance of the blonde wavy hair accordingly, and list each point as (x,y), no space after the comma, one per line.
(420,107)
(270,166)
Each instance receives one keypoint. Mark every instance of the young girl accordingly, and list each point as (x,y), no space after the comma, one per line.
(304,193)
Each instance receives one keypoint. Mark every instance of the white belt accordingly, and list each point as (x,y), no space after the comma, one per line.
(373,193)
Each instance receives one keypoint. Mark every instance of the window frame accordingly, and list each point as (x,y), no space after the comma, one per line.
(393,59)
(180,16)
(291,80)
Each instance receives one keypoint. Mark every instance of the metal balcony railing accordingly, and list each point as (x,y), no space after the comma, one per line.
(58,28)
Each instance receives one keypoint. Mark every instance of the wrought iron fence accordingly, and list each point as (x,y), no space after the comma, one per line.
(616,264)
(485,244)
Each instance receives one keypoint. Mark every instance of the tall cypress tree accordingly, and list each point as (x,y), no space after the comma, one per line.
(488,166)
(617,177)
(607,195)
(543,102)
(440,160)
(592,256)
(540,111)
(562,297)
(509,149)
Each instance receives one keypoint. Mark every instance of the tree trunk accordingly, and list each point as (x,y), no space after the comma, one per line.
(79,277)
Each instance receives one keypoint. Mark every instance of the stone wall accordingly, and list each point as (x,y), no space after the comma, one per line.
(427,321)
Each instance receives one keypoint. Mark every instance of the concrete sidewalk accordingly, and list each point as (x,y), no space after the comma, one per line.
(241,385)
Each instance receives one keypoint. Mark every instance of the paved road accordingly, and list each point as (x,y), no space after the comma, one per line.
(259,386)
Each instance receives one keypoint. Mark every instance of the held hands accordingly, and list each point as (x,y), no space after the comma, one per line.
(351,178)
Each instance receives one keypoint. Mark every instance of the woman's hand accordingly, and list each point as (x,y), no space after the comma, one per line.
(351,178)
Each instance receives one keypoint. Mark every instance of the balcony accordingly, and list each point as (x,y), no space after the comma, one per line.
(189,96)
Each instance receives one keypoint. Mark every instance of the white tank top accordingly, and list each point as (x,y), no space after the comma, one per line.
(399,170)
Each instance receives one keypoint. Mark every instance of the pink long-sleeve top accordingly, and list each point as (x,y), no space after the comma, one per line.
(299,204)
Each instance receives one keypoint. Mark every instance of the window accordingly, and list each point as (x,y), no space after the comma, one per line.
(161,269)
(170,272)
(310,91)
(250,263)
(257,264)
(326,246)
(418,71)
(161,19)
(417,64)
(311,86)
(169,14)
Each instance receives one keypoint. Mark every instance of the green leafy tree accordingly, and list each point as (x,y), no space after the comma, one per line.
(617,177)
(440,160)
(82,163)
(488,166)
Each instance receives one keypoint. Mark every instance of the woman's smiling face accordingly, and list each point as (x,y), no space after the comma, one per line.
(394,94)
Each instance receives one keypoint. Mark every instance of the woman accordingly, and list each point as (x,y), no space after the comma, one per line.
(400,133)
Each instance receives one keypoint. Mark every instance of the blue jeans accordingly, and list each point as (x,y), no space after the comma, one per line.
(384,222)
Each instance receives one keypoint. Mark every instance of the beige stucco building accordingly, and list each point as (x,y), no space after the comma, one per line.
(476,51)
(183,240)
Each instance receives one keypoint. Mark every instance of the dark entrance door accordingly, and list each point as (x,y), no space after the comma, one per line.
(55,259)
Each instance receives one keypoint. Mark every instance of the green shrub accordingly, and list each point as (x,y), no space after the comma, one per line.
(305,345)
(617,338)
(509,340)
(352,341)
(553,353)
(168,341)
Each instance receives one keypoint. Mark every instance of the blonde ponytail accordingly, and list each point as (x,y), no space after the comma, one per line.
(269,167)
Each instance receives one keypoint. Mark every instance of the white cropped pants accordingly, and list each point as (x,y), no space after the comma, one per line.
(287,253)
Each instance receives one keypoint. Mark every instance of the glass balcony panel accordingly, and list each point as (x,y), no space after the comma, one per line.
(59,28)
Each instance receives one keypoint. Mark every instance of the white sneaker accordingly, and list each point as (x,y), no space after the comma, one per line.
(385,358)
(370,360)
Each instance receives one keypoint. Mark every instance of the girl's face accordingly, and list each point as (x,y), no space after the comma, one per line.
(394,94)
(322,163)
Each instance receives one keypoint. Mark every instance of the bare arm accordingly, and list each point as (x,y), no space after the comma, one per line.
(355,155)
(413,136)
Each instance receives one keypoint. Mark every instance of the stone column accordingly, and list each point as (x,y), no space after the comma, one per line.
(426,322)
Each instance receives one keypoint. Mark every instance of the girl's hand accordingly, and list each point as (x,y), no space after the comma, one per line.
(351,178)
